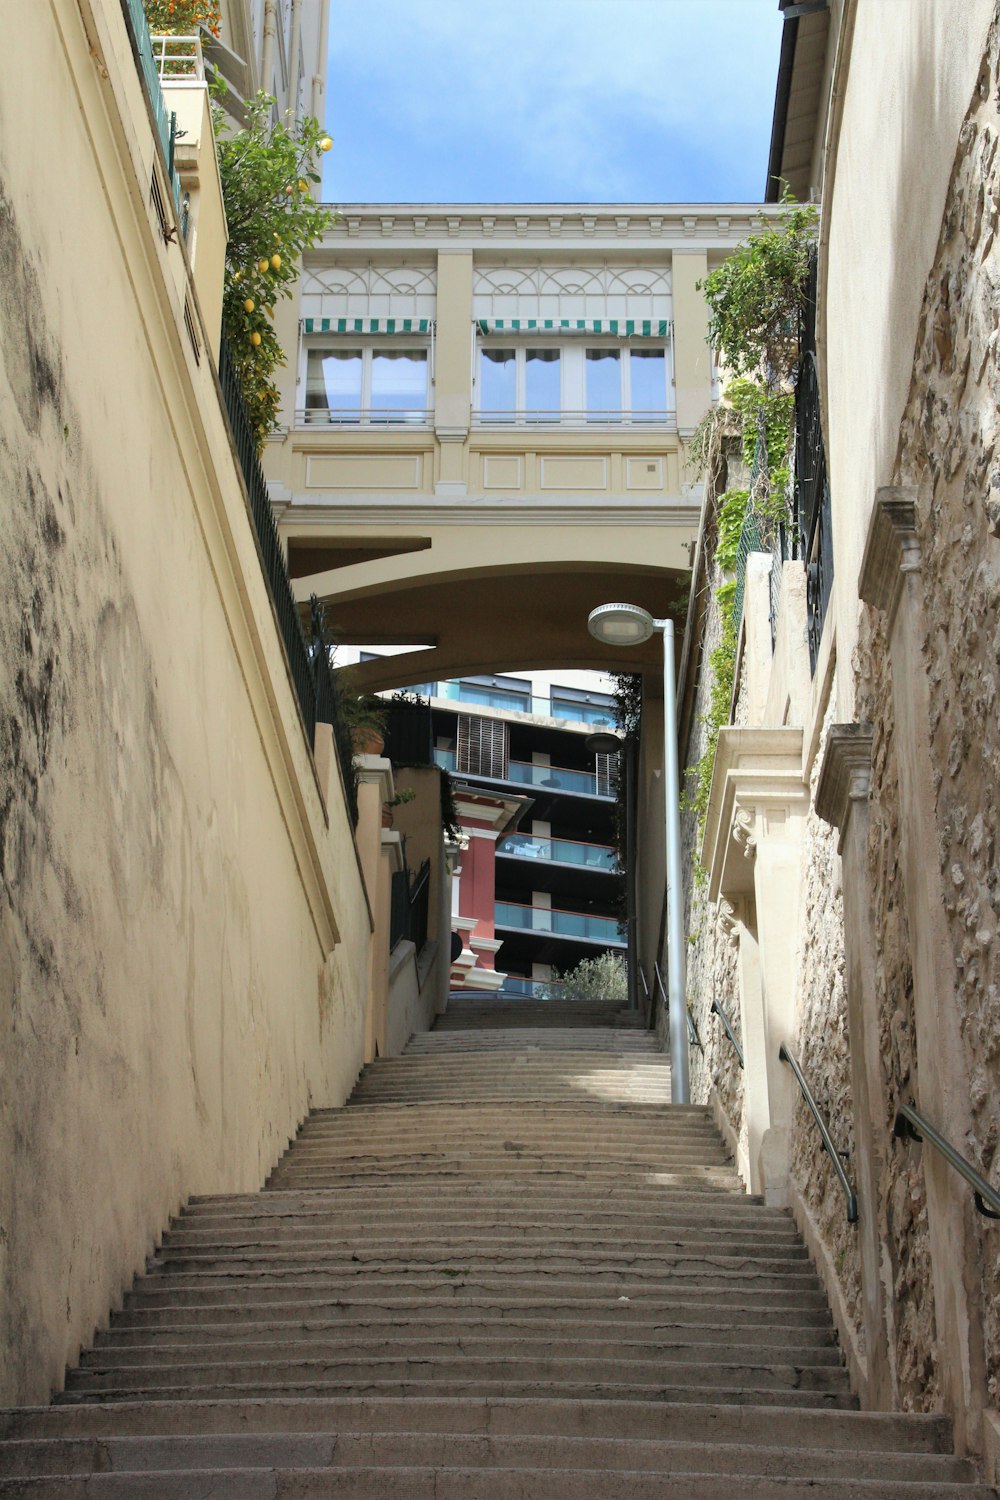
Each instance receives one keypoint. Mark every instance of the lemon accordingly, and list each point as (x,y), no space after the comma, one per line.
(262,265)
(249,305)
(275,263)
(255,340)
(325,143)
(303,185)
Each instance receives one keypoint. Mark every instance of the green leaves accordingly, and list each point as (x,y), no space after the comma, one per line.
(268,173)
(755,295)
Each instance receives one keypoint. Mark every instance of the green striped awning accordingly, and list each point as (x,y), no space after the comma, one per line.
(366,325)
(621,327)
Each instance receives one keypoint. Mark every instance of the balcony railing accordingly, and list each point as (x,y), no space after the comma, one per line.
(559,851)
(363,416)
(561,418)
(444,758)
(557,778)
(179,59)
(571,924)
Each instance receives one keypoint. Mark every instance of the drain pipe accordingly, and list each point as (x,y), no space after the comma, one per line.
(318,105)
(295,27)
(267,44)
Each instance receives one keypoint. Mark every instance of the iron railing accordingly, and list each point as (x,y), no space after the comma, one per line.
(308,664)
(813,501)
(828,1146)
(142,50)
(409,906)
(910,1125)
(717,1010)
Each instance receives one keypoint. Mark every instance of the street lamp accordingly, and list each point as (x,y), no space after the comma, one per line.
(629,625)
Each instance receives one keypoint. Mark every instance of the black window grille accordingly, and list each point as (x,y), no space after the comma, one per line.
(813,505)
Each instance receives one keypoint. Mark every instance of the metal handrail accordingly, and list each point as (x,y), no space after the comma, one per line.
(717,1008)
(830,1148)
(693,1036)
(910,1125)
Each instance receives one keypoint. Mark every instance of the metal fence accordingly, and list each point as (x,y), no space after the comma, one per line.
(409,908)
(308,662)
(149,72)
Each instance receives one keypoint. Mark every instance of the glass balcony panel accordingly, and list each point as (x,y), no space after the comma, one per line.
(561,923)
(444,758)
(560,851)
(560,777)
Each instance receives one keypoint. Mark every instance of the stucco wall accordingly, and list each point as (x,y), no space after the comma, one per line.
(173,994)
(899,112)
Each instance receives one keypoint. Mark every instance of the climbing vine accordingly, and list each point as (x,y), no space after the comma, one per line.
(755,300)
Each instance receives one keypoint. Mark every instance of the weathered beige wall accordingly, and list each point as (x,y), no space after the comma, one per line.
(174,996)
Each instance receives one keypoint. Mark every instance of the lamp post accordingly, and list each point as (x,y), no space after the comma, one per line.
(629,625)
(606,742)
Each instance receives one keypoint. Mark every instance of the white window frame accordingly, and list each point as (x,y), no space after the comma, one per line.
(572,381)
(368,345)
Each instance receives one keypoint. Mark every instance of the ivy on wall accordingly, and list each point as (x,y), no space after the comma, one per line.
(755,299)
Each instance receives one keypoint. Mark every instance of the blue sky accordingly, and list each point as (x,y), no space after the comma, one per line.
(550,100)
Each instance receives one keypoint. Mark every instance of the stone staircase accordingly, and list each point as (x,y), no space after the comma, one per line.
(507,1270)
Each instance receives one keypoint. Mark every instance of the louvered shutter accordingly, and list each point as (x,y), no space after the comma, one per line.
(482,747)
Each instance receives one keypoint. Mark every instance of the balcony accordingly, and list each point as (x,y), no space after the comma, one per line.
(552,778)
(368,416)
(178,59)
(590,418)
(553,922)
(560,851)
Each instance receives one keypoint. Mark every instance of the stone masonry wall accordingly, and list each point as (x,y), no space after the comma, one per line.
(822,1046)
(949,450)
(712,956)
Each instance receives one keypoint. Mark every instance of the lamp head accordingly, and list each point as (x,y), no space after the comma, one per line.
(620,624)
(603,742)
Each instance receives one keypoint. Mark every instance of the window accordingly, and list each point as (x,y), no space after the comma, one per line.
(372,383)
(606,381)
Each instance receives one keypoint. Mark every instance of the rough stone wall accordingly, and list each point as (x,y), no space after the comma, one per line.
(949,451)
(823,1050)
(712,957)
(902,1206)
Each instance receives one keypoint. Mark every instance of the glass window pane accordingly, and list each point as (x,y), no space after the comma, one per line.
(541,381)
(497,379)
(333,383)
(399,383)
(648,371)
(604,383)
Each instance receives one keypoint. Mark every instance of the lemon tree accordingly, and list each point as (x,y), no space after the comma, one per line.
(269,179)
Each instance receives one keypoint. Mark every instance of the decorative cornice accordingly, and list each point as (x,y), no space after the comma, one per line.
(892,548)
(728,920)
(353,509)
(845,773)
(718,225)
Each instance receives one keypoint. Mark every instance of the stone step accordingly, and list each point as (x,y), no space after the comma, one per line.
(447,1483)
(303,1232)
(508,1291)
(457,1349)
(269,1387)
(349,1331)
(687,1421)
(500,1257)
(137,1455)
(652,1202)
(721,1178)
(803,1310)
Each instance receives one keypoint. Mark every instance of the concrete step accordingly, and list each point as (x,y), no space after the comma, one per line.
(302,1233)
(651,1202)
